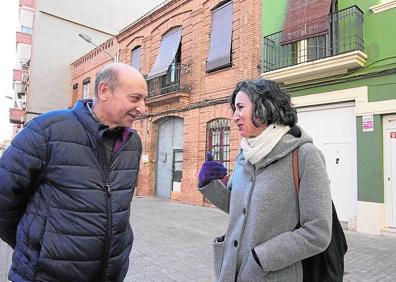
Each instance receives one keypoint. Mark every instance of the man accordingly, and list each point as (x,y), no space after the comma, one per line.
(66,183)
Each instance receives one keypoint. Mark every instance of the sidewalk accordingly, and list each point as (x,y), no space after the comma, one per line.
(173,243)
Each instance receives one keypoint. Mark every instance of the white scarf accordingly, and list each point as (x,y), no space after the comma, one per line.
(256,148)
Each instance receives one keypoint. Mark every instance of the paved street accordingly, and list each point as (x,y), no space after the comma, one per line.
(173,243)
(5,261)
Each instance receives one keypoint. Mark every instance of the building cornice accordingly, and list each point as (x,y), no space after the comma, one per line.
(383,6)
(326,67)
(149,17)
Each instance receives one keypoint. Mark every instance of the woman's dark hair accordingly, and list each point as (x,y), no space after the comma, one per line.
(270,104)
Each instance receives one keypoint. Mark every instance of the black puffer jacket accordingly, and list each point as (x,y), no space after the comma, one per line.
(71,211)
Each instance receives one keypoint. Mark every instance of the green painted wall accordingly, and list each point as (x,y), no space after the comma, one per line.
(273,16)
(380,88)
(363,5)
(379,29)
(383,90)
(379,45)
(379,32)
(370,162)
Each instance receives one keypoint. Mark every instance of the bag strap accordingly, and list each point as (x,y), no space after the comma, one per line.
(295,170)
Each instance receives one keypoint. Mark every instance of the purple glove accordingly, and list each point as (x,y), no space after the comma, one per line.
(211,170)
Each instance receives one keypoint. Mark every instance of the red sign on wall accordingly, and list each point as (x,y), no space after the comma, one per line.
(393,134)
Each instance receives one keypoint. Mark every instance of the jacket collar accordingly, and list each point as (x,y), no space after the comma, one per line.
(83,114)
(91,124)
(294,138)
(291,140)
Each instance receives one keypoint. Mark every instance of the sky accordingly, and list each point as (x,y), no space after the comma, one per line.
(8,28)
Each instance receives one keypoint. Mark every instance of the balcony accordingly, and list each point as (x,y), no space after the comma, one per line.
(27,3)
(174,86)
(17,75)
(20,76)
(336,52)
(17,116)
(24,38)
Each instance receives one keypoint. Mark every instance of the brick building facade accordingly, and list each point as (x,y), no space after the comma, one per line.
(85,68)
(192,54)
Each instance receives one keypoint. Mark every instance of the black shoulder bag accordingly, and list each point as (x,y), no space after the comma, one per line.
(327,266)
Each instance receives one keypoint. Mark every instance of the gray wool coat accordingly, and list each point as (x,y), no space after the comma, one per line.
(264,212)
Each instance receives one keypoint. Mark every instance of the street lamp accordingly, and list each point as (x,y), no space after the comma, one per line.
(89,40)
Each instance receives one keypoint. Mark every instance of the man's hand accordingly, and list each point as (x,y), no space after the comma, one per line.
(211,170)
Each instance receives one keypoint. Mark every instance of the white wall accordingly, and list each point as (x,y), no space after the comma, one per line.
(56,43)
(26,18)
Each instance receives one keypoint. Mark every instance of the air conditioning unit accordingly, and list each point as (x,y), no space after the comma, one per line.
(18,87)
(22,104)
(25,62)
(21,95)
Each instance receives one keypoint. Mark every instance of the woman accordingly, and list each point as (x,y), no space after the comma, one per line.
(271,228)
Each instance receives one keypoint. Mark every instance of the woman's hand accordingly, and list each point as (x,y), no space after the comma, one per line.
(211,170)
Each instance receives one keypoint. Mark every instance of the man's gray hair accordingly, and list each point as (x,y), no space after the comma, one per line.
(108,75)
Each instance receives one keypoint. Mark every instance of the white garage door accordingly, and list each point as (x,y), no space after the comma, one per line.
(333,130)
(389,123)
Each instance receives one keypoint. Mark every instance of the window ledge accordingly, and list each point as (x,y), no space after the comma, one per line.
(383,7)
(173,97)
(317,69)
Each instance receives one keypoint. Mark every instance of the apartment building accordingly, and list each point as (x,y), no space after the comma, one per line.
(192,54)
(337,60)
(56,42)
(21,70)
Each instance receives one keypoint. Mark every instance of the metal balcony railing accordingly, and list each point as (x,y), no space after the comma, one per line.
(345,34)
(176,79)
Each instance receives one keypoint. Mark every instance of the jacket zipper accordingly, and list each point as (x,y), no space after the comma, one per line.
(108,235)
(108,204)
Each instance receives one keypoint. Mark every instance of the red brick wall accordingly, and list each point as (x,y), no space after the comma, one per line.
(17,75)
(27,3)
(88,65)
(194,17)
(23,38)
